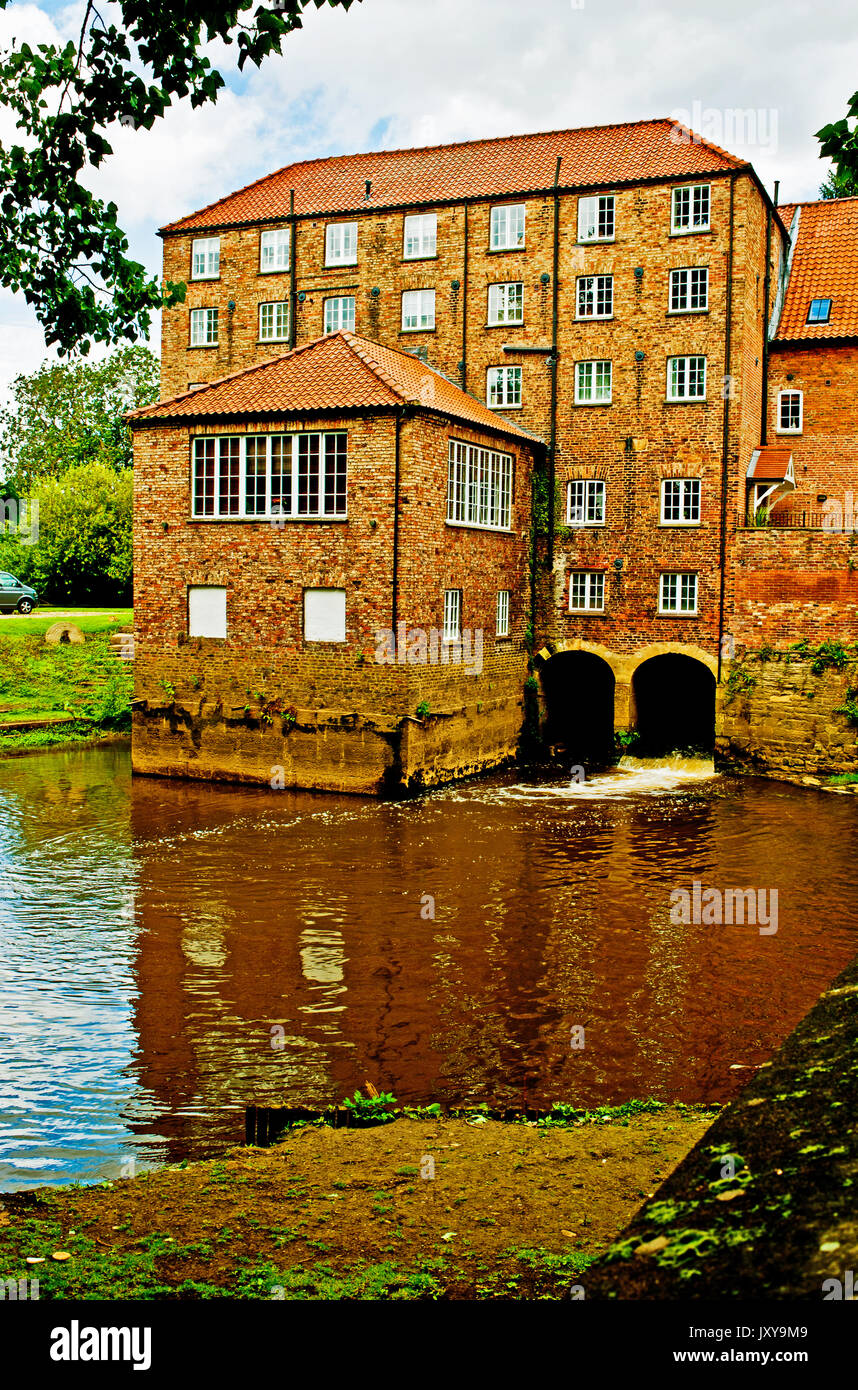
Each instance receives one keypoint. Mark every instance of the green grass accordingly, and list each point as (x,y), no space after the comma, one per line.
(15,625)
(843,779)
(84,688)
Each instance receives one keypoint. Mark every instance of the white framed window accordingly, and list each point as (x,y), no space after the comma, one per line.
(204,327)
(593,383)
(680,502)
(595,296)
(503,386)
(596,218)
(418,310)
(274,246)
(690,208)
(340,313)
(689,289)
(819,311)
(266,476)
(585,502)
(790,412)
(479,487)
(420,236)
(506,302)
(452,615)
(205,258)
(502,614)
(686,378)
(507,227)
(324,615)
(586,591)
(274,322)
(341,243)
(677,593)
(206,611)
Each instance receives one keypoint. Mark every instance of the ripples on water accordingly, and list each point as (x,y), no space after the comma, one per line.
(171,951)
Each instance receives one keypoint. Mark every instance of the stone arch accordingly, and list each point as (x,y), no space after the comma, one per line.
(672,699)
(578,688)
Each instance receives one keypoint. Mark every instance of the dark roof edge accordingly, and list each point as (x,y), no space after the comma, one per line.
(836,340)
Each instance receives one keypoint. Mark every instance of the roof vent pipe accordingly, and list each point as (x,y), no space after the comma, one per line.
(777,190)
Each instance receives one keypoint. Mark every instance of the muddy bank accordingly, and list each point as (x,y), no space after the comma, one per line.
(512,1211)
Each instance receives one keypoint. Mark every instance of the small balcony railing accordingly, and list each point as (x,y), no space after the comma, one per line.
(798,520)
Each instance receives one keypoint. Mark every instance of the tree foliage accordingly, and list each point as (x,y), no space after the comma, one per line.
(68,414)
(839,142)
(60,245)
(84,552)
(839,185)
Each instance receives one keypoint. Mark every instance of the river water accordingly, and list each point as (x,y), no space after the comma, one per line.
(170,952)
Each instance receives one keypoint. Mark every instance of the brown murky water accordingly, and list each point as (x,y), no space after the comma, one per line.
(169,952)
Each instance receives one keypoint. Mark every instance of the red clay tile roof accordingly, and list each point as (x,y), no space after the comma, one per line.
(594,156)
(340,372)
(824,266)
(770,464)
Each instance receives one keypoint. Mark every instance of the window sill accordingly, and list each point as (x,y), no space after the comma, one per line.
(415,260)
(584,526)
(593,318)
(197,347)
(695,614)
(589,404)
(683,313)
(274,342)
(586,612)
(511,323)
(680,525)
(476,526)
(503,407)
(790,434)
(339,265)
(681,400)
(274,270)
(693,231)
(203,279)
(505,250)
(409,331)
(597,241)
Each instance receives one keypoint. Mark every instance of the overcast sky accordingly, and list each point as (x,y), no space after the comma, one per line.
(756,78)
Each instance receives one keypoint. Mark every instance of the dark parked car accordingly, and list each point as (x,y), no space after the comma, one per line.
(16,596)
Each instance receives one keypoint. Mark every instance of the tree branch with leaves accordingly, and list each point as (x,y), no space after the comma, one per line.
(61,246)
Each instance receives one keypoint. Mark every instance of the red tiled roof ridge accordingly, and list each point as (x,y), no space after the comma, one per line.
(819,202)
(492,140)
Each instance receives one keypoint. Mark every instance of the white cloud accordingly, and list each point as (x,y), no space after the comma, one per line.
(387,74)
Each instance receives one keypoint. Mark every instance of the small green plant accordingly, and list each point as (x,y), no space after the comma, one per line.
(627,739)
(169,689)
(423,709)
(739,682)
(370,1110)
(850,706)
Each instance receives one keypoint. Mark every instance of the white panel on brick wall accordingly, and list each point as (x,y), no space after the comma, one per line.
(324,615)
(206,612)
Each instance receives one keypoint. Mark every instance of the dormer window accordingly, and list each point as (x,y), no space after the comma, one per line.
(819,311)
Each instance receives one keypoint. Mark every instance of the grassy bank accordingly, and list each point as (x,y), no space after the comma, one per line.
(68,694)
(513,1211)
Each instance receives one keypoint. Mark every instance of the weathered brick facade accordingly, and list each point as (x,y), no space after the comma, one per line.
(748,585)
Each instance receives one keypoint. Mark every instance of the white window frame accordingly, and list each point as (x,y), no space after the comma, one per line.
(420,236)
(479,487)
(506,302)
(683,377)
(205,258)
(452,631)
(341,243)
(590,290)
(508,227)
(680,289)
(270,477)
(275,244)
(336,320)
(204,328)
(683,495)
(820,299)
(685,220)
(207,611)
(673,593)
(418,311)
(591,377)
(328,622)
(780,427)
(592,582)
(597,218)
(277,330)
(585,502)
(502,613)
(505,385)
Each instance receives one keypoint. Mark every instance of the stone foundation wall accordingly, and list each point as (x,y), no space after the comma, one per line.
(777,716)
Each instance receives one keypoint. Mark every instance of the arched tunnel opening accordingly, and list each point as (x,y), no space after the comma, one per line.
(578,688)
(674,701)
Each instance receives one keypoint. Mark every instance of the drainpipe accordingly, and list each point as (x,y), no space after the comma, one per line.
(725,443)
(293,297)
(552,362)
(764,423)
(400,415)
(463,365)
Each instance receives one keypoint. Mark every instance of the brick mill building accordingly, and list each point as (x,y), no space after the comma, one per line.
(625,316)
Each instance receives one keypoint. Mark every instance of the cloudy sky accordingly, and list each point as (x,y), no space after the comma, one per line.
(756,78)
